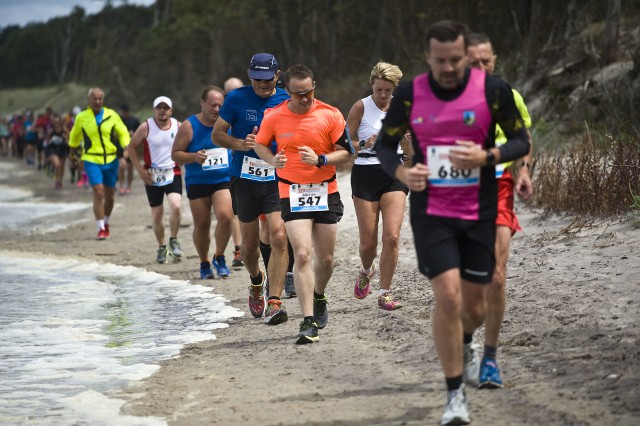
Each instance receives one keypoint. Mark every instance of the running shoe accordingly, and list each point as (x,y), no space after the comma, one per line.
(275,313)
(128,191)
(106,228)
(489,374)
(174,246)
(237,260)
(121,191)
(102,234)
(162,254)
(206,273)
(72,178)
(221,267)
(58,185)
(308,332)
(363,283)
(320,313)
(457,411)
(256,298)
(386,302)
(471,372)
(289,285)
(79,183)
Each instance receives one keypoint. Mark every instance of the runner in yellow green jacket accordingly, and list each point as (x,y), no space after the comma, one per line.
(485,372)
(102,134)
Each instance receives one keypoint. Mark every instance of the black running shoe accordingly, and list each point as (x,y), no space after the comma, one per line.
(289,286)
(308,332)
(320,313)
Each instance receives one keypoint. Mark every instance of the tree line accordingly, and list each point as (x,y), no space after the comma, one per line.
(176,47)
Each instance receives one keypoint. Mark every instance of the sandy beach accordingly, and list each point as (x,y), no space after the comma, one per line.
(569,351)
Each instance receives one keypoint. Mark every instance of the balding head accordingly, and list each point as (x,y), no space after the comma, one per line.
(232,83)
(96,99)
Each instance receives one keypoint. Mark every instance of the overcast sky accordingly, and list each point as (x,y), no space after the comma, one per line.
(22,12)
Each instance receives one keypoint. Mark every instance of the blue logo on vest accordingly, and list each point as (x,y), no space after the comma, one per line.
(469,117)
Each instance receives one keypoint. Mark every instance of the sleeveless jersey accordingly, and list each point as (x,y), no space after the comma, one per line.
(157,146)
(56,138)
(437,125)
(370,125)
(194,172)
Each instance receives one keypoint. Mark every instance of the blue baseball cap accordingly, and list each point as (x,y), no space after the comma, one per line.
(263,66)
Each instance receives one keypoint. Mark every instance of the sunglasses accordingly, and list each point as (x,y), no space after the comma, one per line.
(305,93)
(261,80)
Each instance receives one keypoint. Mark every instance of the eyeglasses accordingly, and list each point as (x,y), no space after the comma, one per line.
(304,93)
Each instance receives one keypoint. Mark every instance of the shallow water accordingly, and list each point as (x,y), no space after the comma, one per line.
(72,331)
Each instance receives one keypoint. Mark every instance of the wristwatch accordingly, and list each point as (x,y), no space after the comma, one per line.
(491,158)
(362,143)
(322,160)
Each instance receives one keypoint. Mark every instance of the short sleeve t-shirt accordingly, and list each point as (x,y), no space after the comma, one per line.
(244,110)
(319,129)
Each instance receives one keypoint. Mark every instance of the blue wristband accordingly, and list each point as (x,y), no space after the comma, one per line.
(322,160)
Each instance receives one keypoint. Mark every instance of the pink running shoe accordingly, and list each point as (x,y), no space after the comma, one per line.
(363,283)
(387,303)
(257,299)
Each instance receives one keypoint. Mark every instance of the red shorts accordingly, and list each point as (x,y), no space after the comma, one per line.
(506,215)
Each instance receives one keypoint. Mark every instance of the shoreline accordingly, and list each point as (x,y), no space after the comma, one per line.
(569,350)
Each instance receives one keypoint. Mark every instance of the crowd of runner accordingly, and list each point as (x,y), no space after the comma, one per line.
(262,158)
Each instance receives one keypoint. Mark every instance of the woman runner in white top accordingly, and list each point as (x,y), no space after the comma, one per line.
(373,191)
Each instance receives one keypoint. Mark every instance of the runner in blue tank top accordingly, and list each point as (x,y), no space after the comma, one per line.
(452,113)
(207,180)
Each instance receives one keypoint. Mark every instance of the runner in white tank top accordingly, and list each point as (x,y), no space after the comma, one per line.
(160,174)
(373,191)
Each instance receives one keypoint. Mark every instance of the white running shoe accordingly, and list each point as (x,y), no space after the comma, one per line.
(471,372)
(456,412)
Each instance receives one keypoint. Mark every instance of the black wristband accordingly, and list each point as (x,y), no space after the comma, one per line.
(491,158)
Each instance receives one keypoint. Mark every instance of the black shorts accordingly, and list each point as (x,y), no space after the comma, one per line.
(370,182)
(61,150)
(331,216)
(155,194)
(201,190)
(445,243)
(250,198)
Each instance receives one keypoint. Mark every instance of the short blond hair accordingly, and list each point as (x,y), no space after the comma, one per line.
(386,71)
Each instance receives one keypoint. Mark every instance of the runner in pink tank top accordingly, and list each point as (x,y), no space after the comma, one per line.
(452,112)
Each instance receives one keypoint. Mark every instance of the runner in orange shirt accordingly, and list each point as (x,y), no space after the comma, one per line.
(311,139)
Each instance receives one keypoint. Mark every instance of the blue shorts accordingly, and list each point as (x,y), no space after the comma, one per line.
(105,174)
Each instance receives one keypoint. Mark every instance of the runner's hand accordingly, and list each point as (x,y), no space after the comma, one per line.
(146,178)
(415,177)
(200,157)
(250,141)
(524,187)
(468,156)
(279,160)
(308,155)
